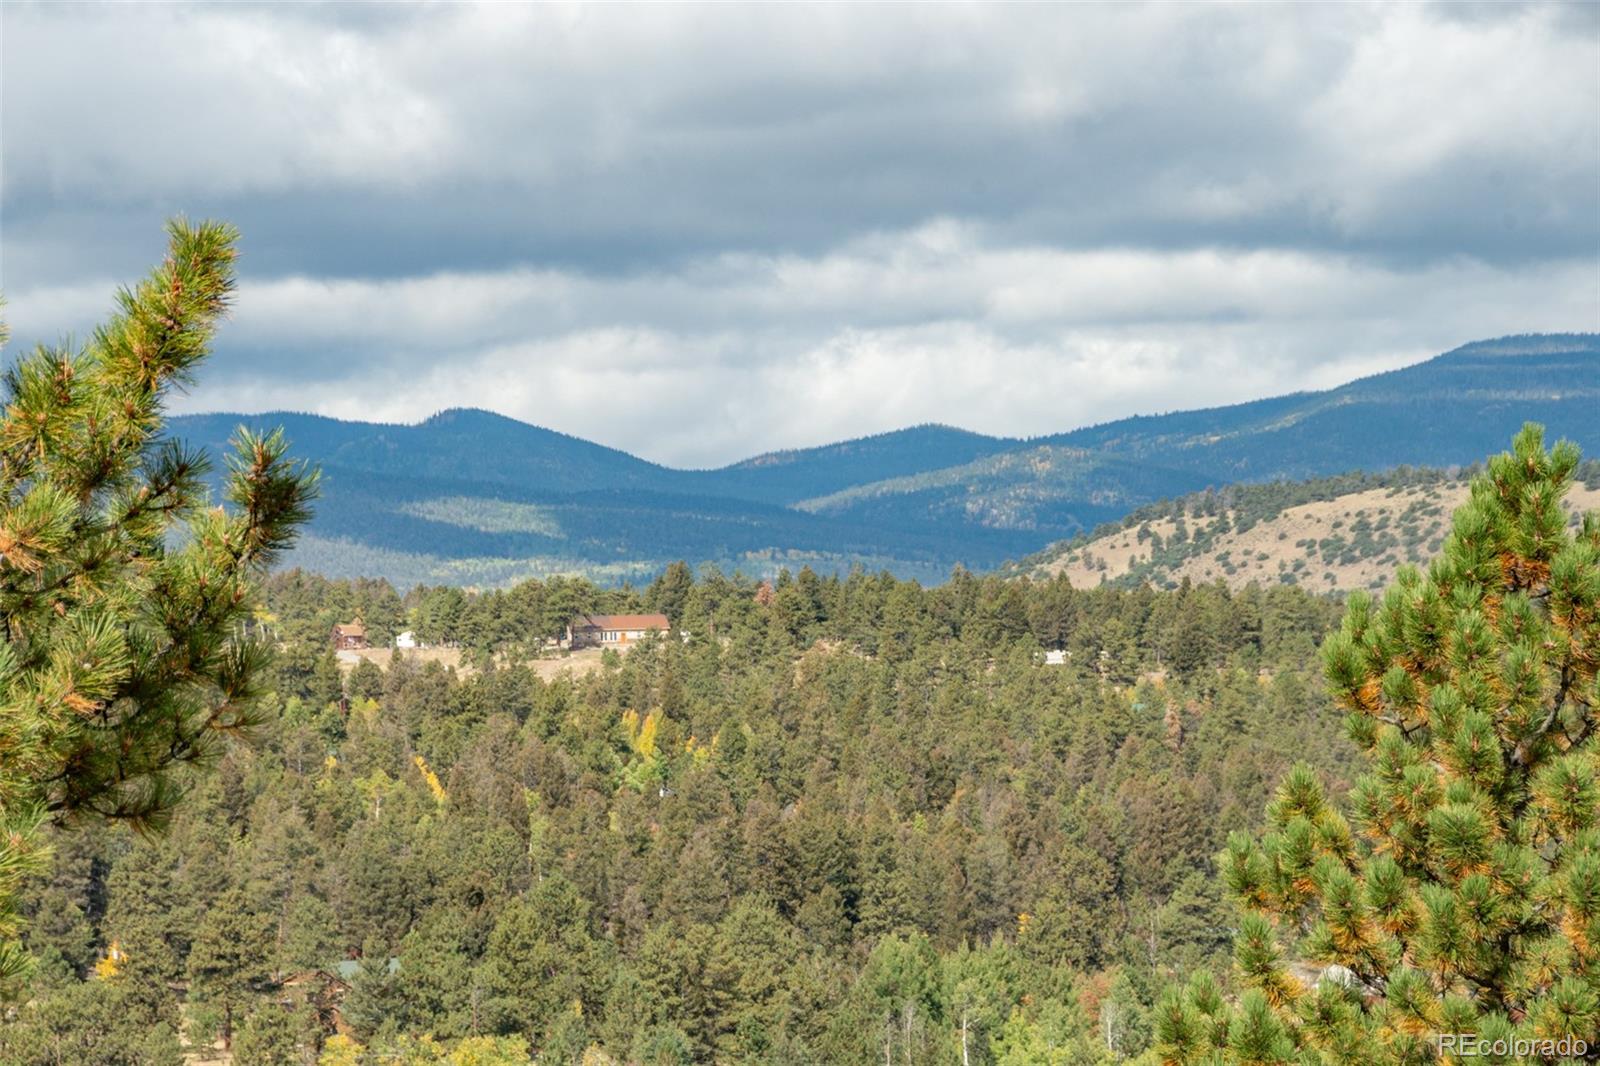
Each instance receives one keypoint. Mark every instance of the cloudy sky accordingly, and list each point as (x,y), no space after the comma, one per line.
(703,232)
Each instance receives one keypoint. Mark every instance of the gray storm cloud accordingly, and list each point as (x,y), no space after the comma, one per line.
(702,232)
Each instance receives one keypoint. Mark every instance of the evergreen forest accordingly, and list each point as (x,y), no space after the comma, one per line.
(839,820)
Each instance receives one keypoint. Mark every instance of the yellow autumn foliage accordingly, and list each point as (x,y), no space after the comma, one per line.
(432,779)
(488,1051)
(340,1050)
(110,964)
(642,735)
(702,752)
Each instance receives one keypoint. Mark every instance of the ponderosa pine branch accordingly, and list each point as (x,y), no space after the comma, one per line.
(1483,877)
(122,662)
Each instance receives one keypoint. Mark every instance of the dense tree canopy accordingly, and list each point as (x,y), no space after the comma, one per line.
(833,820)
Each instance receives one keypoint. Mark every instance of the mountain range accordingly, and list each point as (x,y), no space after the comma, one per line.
(469,497)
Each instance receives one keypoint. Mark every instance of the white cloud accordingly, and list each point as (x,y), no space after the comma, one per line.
(1197,113)
(697,233)
(730,357)
(170,100)
(1514,101)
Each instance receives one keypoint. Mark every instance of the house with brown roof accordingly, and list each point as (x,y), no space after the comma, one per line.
(348,636)
(613,630)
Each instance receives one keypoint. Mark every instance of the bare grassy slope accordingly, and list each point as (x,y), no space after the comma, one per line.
(1353,540)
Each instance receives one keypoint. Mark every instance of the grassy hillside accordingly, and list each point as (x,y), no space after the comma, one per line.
(1331,534)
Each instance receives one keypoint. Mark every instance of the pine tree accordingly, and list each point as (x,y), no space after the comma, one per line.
(540,962)
(125,653)
(1466,898)
(231,956)
(669,593)
(271,1036)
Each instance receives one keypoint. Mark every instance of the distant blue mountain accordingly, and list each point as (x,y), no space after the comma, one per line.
(791,476)
(1455,408)
(471,497)
(456,445)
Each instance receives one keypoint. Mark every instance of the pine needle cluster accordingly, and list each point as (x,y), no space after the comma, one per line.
(1462,895)
(125,592)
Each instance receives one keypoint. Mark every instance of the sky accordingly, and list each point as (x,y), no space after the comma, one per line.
(700,233)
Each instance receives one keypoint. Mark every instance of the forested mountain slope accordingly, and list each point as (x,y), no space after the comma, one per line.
(801,474)
(474,498)
(458,445)
(1450,410)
